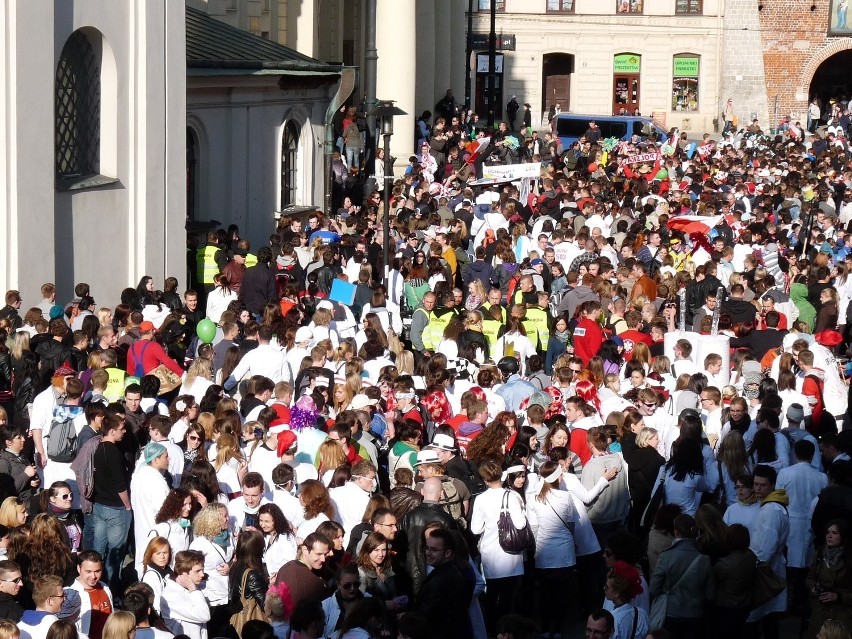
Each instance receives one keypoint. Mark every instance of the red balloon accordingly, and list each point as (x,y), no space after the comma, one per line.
(593,167)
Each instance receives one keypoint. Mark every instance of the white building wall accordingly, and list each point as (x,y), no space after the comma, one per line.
(108,236)
(240,122)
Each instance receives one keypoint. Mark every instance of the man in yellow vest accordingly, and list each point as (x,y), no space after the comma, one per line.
(251,258)
(539,316)
(420,321)
(440,318)
(525,293)
(210,259)
(495,299)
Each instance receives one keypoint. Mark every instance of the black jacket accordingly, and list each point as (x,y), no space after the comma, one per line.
(5,372)
(11,313)
(9,608)
(258,288)
(760,342)
(741,311)
(696,294)
(411,529)
(256,586)
(52,355)
(443,600)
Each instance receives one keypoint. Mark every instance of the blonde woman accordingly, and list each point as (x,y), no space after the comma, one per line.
(476,295)
(329,457)
(13,512)
(197,379)
(230,465)
(213,539)
(341,397)
(105,316)
(354,382)
(120,625)
(405,363)
(344,352)
(321,327)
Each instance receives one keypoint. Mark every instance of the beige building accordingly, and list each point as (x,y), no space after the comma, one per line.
(659,57)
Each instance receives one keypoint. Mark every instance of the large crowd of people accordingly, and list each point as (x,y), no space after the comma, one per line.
(513,427)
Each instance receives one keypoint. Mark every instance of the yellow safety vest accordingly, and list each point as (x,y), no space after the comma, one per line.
(434,332)
(205,262)
(491,330)
(487,307)
(251,260)
(538,317)
(532,331)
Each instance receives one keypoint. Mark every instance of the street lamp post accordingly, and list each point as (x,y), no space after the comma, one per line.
(384,115)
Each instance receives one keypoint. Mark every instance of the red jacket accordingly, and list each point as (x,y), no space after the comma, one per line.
(579,444)
(588,337)
(152,355)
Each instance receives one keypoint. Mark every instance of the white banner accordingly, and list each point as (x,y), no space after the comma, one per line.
(640,159)
(531,170)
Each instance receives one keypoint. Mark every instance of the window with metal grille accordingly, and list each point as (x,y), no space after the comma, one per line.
(78,109)
(289,150)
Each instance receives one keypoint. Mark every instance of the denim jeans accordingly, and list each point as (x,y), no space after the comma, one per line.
(353,157)
(111,528)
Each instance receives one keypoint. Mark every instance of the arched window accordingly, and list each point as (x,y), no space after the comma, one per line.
(289,150)
(78,109)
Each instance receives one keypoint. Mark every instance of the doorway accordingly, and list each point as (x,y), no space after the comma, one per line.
(556,72)
(626,83)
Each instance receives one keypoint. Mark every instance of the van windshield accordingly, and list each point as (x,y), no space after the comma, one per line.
(571,127)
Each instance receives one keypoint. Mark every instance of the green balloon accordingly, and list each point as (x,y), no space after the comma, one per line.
(206,330)
(662,174)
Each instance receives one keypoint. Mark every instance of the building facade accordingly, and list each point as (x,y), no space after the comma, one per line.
(92,123)
(657,57)
(255,127)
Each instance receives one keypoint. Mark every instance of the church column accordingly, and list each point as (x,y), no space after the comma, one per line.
(396,41)
(443,52)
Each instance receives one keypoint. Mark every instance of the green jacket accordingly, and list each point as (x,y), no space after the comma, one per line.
(799,297)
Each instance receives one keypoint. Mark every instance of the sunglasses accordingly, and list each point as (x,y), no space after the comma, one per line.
(17,580)
(649,405)
(193,438)
(349,585)
(66,497)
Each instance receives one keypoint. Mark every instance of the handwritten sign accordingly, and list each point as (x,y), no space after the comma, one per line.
(642,158)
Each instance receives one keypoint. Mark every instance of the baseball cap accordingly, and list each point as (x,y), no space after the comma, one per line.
(536,262)
(147,327)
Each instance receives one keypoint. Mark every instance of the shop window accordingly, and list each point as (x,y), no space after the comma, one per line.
(289,155)
(560,6)
(688,7)
(685,82)
(630,6)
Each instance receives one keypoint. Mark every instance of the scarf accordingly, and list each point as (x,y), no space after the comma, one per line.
(184,523)
(190,455)
(832,557)
(222,539)
(562,336)
(742,424)
(59,513)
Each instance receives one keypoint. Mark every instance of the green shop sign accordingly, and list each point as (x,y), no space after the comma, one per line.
(626,63)
(686,67)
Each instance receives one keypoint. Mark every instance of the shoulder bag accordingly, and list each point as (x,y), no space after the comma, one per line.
(767,585)
(512,540)
(657,618)
(250,609)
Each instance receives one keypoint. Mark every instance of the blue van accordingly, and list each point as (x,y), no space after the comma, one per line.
(570,127)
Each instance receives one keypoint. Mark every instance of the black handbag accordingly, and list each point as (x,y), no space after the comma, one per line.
(512,540)
(657,499)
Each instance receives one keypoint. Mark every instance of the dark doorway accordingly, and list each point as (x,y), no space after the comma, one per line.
(191,173)
(556,72)
(289,151)
(832,78)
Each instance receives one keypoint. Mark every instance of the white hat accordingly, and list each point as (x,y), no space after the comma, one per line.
(361,401)
(304,334)
(443,442)
(427,456)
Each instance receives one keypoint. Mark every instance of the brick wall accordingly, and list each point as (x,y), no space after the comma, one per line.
(795,42)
